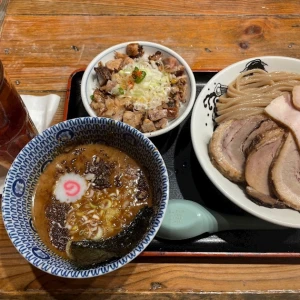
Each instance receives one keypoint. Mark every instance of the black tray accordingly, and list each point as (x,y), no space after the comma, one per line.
(188,181)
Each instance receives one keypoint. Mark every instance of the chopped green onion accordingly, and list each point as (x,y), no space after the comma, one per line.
(138,75)
(92,205)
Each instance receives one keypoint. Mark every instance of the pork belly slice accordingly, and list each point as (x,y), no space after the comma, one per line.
(257,167)
(263,126)
(296,96)
(226,147)
(263,199)
(282,110)
(285,173)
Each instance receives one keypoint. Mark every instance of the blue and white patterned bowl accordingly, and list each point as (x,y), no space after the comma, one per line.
(23,175)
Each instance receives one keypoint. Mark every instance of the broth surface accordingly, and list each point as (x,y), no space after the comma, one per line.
(115,189)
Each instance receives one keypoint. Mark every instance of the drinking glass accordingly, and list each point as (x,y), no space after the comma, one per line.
(16,127)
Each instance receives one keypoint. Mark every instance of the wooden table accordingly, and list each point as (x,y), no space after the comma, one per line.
(43,42)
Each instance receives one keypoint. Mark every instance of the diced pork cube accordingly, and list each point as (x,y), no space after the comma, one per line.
(109,86)
(157,114)
(115,64)
(120,55)
(98,96)
(110,106)
(134,50)
(170,62)
(126,61)
(148,126)
(103,73)
(162,123)
(119,112)
(133,119)
(156,56)
(126,102)
(173,112)
(99,107)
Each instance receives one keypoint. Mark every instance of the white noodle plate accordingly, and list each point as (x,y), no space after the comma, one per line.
(202,127)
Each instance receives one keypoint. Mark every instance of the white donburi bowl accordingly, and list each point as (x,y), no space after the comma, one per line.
(24,173)
(202,130)
(89,80)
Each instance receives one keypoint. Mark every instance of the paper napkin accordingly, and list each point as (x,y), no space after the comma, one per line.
(41,110)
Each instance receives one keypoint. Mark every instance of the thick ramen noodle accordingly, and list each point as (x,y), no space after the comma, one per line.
(252,91)
(91,192)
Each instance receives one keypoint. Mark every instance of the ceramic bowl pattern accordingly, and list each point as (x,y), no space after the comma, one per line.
(202,127)
(24,173)
(89,80)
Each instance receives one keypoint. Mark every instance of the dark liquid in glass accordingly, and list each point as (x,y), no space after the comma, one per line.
(16,127)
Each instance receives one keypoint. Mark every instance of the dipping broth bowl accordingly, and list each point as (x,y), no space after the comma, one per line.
(26,169)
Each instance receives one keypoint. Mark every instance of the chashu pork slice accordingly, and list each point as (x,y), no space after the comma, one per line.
(296,96)
(285,173)
(257,168)
(283,110)
(229,142)
(264,126)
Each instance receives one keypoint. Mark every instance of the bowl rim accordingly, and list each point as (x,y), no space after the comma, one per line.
(188,70)
(207,168)
(91,271)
